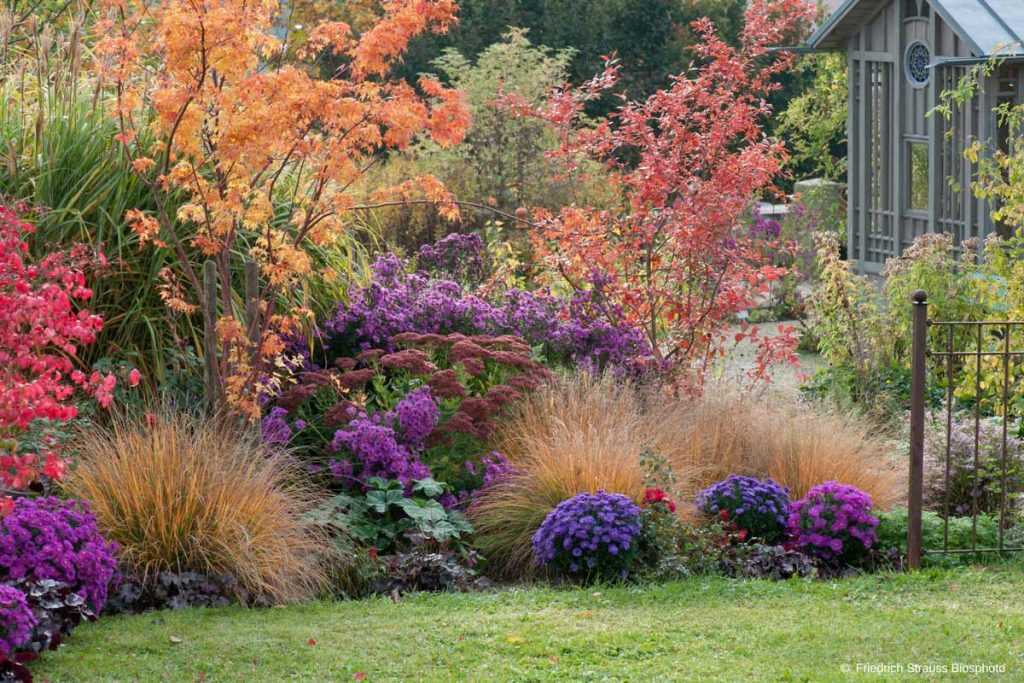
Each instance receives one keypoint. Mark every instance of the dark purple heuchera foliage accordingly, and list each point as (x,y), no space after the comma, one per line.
(16,620)
(760,508)
(586,331)
(387,444)
(460,256)
(49,538)
(833,522)
(591,535)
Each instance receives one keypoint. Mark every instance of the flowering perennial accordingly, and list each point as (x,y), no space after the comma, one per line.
(49,538)
(758,508)
(581,332)
(16,620)
(833,521)
(591,535)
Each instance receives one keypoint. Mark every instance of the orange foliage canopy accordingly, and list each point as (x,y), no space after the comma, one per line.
(265,153)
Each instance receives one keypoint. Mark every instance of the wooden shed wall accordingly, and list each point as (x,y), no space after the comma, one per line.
(889,117)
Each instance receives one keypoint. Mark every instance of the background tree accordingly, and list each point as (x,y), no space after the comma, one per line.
(262,152)
(653,38)
(676,255)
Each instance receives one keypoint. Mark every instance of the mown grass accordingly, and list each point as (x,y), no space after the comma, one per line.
(706,629)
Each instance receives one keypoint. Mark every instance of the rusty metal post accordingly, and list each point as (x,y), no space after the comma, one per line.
(917,398)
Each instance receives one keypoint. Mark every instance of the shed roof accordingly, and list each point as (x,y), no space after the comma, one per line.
(989,26)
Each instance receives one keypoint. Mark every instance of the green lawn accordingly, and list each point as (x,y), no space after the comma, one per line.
(706,629)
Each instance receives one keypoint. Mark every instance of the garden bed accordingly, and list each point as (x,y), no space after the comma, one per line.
(707,629)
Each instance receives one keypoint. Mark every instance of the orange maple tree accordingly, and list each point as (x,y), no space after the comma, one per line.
(263,152)
(676,255)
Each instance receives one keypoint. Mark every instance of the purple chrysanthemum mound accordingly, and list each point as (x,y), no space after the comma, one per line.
(833,521)
(16,620)
(49,538)
(759,507)
(590,536)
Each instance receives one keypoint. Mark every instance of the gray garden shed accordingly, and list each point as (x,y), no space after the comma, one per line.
(901,54)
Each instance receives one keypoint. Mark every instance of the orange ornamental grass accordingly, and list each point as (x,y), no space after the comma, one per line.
(798,445)
(264,153)
(192,494)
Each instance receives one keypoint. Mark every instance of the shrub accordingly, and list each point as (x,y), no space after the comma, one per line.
(796,445)
(182,493)
(52,539)
(833,522)
(42,329)
(16,621)
(575,436)
(971,486)
(591,535)
(759,508)
(892,533)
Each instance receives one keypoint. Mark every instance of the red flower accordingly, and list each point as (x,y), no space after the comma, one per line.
(133,377)
(654,496)
(723,515)
(6,506)
(741,534)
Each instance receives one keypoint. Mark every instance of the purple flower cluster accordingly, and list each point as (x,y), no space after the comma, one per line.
(758,507)
(416,416)
(586,331)
(16,620)
(591,535)
(387,444)
(49,538)
(493,468)
(764,227)
(460,256)
(833,521)
(275,428)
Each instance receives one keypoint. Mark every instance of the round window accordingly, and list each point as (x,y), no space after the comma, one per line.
(918,58)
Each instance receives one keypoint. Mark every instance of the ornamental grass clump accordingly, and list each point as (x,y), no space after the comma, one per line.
(579,435)
(758,508)
(181,493)
(834,523)
(797,445)
(590,536)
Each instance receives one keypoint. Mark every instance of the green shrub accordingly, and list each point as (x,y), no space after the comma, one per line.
(892,534)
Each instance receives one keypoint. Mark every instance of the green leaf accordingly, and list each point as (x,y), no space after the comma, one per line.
(429,487)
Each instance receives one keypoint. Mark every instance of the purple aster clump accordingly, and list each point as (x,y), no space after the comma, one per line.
(590,536)
(16,620)
(460,256)
(758,507)
(765,227)
(833,522)
(49,538)
(496,468)
(586,331)
(275,428)
(396,301)
(416,416)
(378,451)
